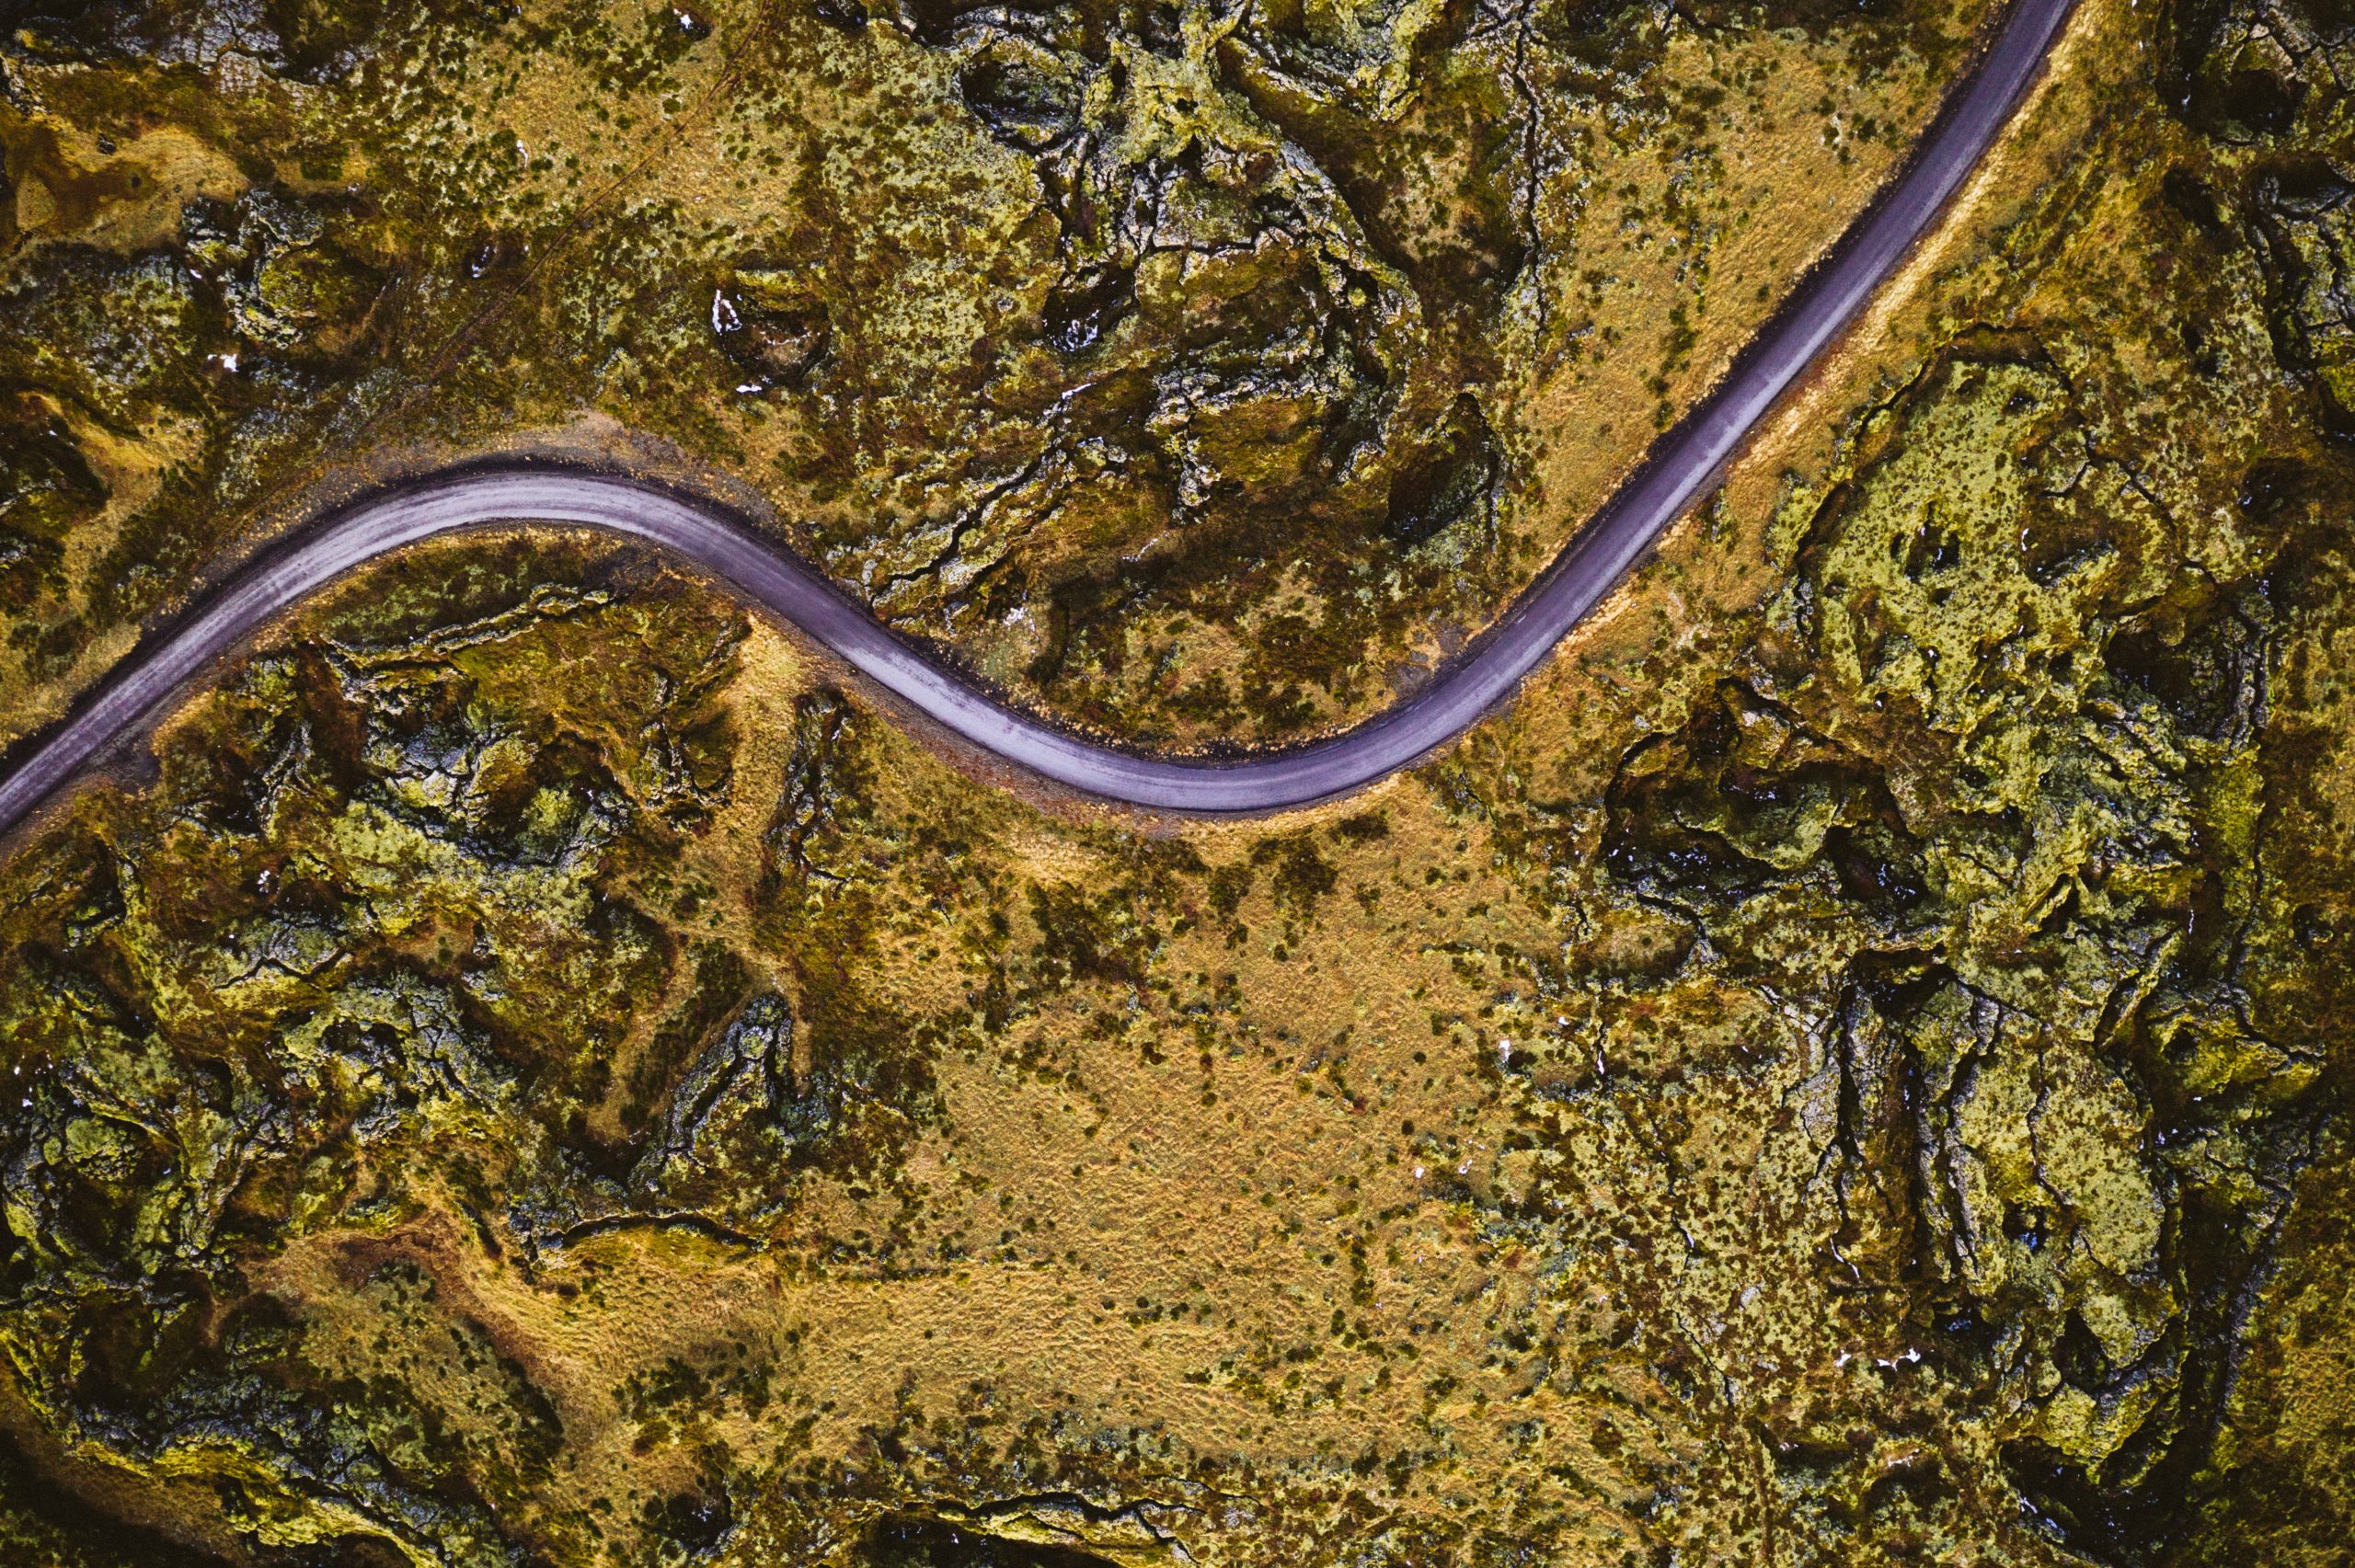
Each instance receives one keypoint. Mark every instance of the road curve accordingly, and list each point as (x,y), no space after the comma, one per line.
(1681,465)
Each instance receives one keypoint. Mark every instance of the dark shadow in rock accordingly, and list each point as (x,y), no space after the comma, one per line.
(1083,307)
(902,1540)
(1453,480)
(37,1513)
(697,1523)
(2205,670)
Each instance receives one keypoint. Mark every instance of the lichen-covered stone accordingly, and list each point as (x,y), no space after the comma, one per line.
(542,1074)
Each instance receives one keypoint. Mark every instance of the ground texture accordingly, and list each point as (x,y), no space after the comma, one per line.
(542,1071)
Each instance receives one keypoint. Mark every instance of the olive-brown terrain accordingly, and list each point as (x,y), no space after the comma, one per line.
(543,1070)
(1198,370)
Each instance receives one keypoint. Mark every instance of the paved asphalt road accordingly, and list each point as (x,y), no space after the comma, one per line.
(1681,467)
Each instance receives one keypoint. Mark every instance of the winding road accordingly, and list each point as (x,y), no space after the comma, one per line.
(1680,467)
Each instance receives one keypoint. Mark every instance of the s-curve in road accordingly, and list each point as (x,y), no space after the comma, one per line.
(1680,467)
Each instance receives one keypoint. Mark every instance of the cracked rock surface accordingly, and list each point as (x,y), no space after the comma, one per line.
(1201,372)
(1850,1069)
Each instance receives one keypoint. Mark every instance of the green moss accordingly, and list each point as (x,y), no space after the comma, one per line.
(539,1075)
